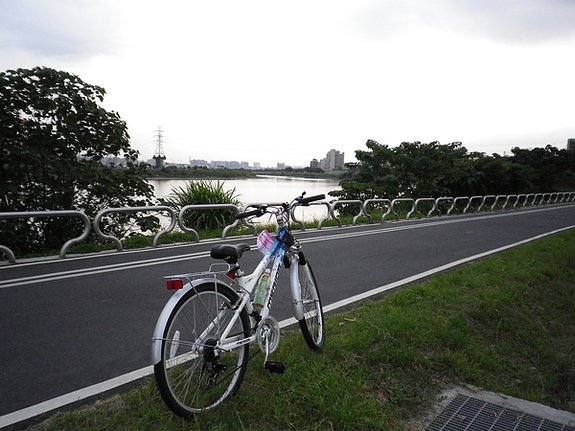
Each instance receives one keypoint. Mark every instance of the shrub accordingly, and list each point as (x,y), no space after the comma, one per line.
(201,193)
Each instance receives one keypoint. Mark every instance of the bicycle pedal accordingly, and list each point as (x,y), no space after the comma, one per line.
(274,367)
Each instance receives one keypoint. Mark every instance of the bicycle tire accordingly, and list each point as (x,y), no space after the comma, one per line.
(312,324)
(192,376)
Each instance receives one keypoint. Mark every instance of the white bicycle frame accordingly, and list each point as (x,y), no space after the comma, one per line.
(246,285)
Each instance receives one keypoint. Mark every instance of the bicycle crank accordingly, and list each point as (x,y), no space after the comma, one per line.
(268,336)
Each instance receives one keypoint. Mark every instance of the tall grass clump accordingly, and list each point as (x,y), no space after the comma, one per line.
(201,193)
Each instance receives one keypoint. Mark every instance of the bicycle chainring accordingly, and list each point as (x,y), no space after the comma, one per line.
(268,334)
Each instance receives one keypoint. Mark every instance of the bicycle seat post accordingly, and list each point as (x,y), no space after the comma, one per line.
(235,271)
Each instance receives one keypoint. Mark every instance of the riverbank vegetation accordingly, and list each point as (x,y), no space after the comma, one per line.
(504,324)
(194,173)
(416,169)
(172,172)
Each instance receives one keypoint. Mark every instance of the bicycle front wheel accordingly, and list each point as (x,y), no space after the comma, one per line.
(312,327)
(193,375)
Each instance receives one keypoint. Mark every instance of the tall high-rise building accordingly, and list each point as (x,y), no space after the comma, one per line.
(334,161)
(571,145)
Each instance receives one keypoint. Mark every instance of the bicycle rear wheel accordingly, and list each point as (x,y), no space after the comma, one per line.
(193,376)
(312,327)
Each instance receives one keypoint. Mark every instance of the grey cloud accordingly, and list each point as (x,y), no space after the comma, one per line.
(516,21)
(523,21)
(58,28)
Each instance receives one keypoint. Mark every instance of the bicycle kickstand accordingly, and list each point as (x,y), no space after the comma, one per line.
(272,366)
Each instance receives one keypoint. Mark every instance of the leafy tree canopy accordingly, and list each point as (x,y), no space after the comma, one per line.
(53,135)
(416,169)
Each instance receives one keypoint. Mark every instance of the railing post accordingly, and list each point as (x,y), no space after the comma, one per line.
(9,254)
(454,205)
(497,198)
(116,241)
(439,201)
(485,198)
(58,213)
(347,202)
(301,223)
(394,202)
(415,209)
(468,206)
(200,207)
(518,200)
(374,201)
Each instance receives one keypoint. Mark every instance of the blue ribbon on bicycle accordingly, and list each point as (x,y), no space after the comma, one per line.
(284,240)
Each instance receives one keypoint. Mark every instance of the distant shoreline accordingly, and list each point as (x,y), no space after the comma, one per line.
(228,174)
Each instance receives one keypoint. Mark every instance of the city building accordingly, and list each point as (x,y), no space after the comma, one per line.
(571,145)
(196,163)
(220,164)
(334,161)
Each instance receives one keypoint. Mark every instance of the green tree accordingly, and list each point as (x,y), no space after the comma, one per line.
(430,169)
(53,136)
(415,169)
(501,175)
(372,177)
(552,169)
(412,169)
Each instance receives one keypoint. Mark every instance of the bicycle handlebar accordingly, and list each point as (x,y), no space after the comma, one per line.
(262,209)
(306,201)
(258,212)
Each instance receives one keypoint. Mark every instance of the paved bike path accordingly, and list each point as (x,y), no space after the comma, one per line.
(69,324)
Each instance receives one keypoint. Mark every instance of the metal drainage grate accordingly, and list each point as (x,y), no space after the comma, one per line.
(467,413)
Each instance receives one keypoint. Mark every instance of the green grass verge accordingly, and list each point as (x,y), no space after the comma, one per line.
(505,324)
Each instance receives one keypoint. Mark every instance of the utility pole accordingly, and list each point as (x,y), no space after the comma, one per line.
(159,155)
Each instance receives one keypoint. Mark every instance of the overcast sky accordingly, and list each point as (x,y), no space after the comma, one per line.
(268,81)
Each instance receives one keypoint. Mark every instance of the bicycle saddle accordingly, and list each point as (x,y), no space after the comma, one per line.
(228,252)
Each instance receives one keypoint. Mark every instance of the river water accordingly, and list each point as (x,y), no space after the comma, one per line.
(265,188)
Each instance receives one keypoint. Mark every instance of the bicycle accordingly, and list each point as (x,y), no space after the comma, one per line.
(201,342)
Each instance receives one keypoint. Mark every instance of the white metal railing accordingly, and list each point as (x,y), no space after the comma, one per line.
(124,210)
(416,207)
(454,207)
(461,204)
(369,202)
(320,222)
(393,207)
(203,207)
(33,214)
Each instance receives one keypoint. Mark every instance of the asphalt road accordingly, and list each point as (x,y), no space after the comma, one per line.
(68,324)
